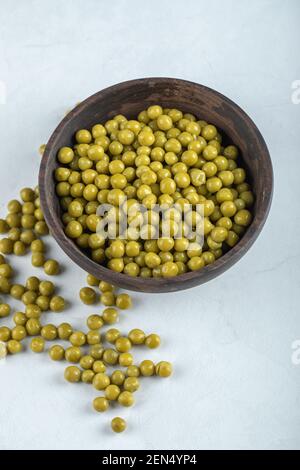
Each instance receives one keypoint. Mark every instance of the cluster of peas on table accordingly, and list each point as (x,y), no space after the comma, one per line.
(38,296)
(23,227)
(120,385)
(163,157)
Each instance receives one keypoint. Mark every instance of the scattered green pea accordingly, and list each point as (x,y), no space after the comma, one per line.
(72,374)
(49,332)
(64,331)
(126,398)
(16,291)
(118,424)
(100,404)
(37,345)
(56,353)
(51,267)
(163,369)
(95,322)
(14,346)
(57,303)
(4,310)
(152,341)
(88,295)
(147,368)
(5,333)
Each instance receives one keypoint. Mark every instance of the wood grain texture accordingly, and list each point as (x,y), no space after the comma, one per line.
(129,98)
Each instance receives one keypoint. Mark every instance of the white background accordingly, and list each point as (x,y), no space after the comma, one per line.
(235,385)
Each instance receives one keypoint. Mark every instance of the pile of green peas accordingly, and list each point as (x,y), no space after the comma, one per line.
(86,349)
(37,297)
(163,157)
(107,297)
(24,225)
(120,385)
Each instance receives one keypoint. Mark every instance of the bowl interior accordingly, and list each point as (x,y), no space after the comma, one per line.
(129,98)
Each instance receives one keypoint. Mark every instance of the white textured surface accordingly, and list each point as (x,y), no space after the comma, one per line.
(235,385)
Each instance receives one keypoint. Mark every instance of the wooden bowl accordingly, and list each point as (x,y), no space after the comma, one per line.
(129,98)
